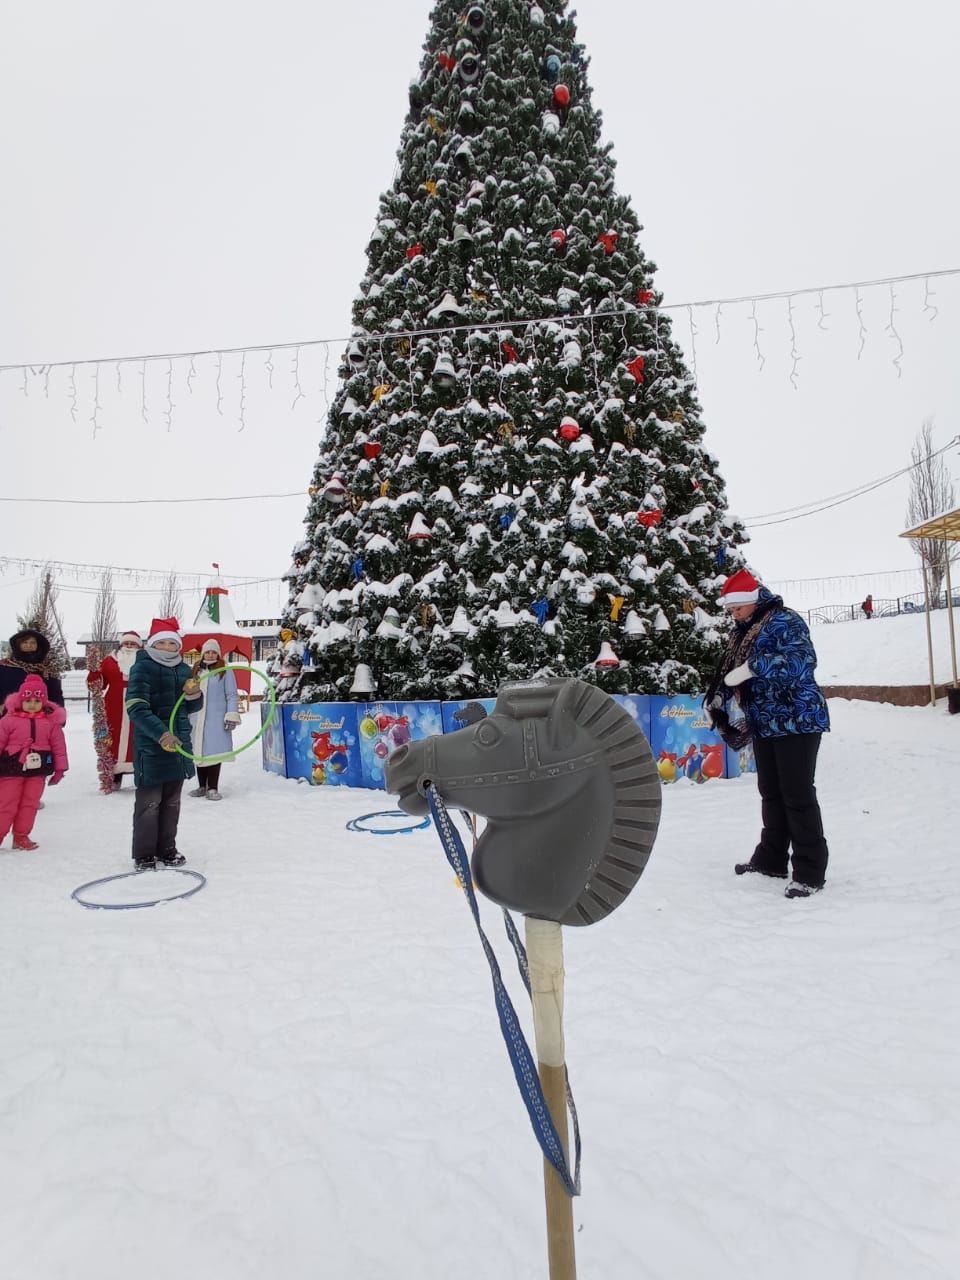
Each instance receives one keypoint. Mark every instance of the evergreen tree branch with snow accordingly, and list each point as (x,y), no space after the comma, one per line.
(512,481)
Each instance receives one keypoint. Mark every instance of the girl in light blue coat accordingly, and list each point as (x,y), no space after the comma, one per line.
(213,725)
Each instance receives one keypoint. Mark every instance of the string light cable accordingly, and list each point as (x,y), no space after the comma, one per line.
(269,348)
(153,502)
(125,571)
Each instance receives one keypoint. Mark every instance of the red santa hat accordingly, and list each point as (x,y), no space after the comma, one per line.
(165,629)
(131,635)
(740,588)
(33,687)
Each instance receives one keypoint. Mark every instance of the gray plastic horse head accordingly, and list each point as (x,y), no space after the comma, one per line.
(569,788)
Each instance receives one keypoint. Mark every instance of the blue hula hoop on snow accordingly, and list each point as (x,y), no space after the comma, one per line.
(134,906)
(355,823)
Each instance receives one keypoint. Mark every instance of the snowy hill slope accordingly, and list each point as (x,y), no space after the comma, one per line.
(298,1072)
(884,650)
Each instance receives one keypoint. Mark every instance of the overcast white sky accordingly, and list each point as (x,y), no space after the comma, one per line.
(205,175)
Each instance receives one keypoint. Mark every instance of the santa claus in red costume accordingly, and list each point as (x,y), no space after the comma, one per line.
(112,679)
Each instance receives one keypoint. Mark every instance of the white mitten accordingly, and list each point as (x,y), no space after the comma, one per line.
(738,675)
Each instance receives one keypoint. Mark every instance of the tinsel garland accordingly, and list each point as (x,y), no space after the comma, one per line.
(103,743)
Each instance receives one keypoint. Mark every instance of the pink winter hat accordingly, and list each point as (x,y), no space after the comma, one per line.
(33,687)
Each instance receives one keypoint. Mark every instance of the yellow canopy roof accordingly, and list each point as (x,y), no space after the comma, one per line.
(946,528)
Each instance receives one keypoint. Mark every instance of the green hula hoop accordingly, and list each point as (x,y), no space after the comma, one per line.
(230,666)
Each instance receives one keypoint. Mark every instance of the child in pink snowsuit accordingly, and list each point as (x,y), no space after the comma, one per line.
(32,749)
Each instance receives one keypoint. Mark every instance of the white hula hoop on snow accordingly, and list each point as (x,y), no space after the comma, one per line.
(132,906)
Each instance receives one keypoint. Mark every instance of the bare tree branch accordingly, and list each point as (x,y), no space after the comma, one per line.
(171,601)
(931,494)
(42,615)
(104,626)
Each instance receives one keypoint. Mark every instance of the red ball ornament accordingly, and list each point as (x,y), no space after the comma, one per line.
(636,367)
(561,96)
(414,251)
(609,241)
(559,238)
(371,449)
(569,430)
(649,518)
(644,297)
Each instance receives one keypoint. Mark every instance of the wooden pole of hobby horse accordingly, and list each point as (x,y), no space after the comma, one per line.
(545,960)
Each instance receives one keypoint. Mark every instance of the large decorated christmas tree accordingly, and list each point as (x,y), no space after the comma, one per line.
(512,480)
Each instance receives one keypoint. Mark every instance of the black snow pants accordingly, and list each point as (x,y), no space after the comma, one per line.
(156,813)
(789,806)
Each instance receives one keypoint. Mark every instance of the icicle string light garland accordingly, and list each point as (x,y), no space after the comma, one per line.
(840,579)
(37,367)
(92,572)
(154,502)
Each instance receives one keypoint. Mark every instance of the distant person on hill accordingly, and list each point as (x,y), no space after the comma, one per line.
(764,690)
(29,654)
(867,608)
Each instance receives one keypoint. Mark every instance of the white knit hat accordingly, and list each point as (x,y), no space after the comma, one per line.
(212,644)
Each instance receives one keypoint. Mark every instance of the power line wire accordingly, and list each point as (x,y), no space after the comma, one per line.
(838,500)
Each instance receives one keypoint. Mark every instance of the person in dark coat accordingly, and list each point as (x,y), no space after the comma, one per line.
(29,656)
(764,690)
(157,680)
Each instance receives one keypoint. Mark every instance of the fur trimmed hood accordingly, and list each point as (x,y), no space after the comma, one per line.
(36,659)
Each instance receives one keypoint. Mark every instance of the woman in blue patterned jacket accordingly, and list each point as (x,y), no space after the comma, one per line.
(764,690)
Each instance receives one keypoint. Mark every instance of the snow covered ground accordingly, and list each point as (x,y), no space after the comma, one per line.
(298,1072)
(894,651)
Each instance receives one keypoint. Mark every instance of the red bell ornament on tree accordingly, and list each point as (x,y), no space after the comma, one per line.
(644,297)
(606,659)
(559,238)
(636,367)
(649,519)
(569,430)
(609,241)
(371,449)
(414,251)
(561,96)
(510,351)
(334,491)
(446,61)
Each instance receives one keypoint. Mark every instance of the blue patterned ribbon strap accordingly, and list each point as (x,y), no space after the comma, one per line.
(521,1059)
(522,965)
